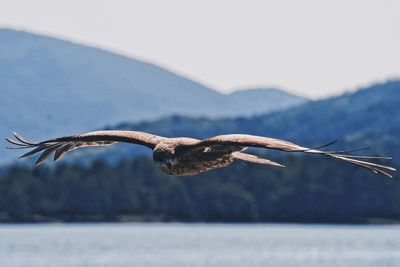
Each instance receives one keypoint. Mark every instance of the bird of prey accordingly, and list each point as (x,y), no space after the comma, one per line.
(188,156)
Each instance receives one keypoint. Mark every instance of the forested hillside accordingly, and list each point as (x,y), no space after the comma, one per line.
(309,189)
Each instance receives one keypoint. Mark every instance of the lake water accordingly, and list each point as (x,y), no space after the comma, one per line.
(195,245)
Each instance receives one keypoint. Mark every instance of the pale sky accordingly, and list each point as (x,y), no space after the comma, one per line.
(312,47)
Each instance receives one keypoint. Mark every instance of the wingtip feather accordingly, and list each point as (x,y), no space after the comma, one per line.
(22,139)
(59,154)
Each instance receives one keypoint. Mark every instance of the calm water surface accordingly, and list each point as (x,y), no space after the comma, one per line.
(195,245)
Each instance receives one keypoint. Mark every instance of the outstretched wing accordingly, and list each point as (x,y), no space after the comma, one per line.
(98,138)
(245,140)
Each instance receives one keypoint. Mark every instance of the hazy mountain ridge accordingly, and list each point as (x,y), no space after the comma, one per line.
(252,100)
(51,87)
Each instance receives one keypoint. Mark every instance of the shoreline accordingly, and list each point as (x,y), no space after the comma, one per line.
(158,219)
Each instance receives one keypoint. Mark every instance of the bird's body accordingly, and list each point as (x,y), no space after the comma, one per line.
(188,156)
(184,164)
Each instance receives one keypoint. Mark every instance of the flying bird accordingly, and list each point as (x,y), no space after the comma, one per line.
(184,156)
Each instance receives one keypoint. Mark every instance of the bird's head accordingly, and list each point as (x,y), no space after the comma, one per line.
(163,157)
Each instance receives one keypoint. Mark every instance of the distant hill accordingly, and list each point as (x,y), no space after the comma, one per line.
(369,117)
(252,101)
(50,87)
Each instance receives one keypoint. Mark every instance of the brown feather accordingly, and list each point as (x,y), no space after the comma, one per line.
(34,151)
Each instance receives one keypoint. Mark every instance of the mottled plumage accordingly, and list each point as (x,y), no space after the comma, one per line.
(188,156)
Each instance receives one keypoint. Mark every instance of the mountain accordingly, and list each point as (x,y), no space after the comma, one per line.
(51,87)
(369,117)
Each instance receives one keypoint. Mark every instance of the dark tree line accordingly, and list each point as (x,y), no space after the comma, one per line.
(310,189)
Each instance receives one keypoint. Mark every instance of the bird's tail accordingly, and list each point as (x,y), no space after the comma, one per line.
(254,159)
